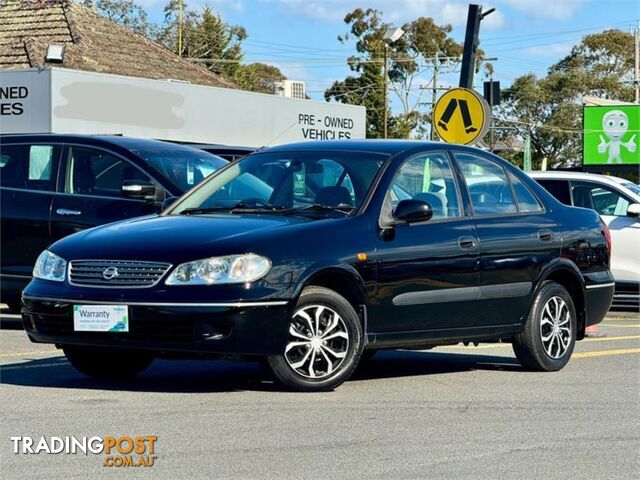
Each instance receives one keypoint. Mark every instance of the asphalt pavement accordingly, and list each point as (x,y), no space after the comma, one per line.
(451,413)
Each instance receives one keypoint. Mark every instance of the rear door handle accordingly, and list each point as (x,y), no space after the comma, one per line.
(467,242)
(545,235)
(68,213)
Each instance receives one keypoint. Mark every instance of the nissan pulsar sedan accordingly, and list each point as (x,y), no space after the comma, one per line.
(310,256)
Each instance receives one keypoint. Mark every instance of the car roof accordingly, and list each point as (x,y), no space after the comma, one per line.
(219,147)
(119,140)
(390,147)
(616,182)
(562,174)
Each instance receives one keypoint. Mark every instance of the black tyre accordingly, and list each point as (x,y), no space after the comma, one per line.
(107,363)
(325,343)
(549,336)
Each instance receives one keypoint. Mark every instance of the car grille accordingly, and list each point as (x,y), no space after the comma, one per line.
(116,273)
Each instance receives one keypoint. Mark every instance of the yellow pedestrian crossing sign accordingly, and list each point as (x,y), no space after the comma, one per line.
(461,116)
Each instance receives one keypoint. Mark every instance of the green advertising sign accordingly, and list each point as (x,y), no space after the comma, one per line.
(611,135)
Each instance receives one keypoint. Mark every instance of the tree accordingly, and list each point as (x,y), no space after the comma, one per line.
(258,77)
(206,39)
(549,109)
(126,13)
(218,42)
(409,57)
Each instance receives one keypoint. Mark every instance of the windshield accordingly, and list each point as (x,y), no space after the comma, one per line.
(184,167)
(287,180)
(632,186)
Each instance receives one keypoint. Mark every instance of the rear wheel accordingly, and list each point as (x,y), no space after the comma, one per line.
(324,345)
(107,363)
(549,336)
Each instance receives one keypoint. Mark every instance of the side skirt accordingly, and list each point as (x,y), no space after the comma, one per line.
(443,336)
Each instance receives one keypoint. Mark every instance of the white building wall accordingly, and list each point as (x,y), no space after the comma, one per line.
(25,101)
(87,102)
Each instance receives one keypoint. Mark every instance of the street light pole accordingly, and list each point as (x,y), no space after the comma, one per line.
(391,35)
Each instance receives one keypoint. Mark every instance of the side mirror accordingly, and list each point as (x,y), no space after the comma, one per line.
(412,211)
(168,202)
(138,189)
(634,210)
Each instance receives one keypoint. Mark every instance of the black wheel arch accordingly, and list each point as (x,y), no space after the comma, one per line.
(342,279)
(567,274)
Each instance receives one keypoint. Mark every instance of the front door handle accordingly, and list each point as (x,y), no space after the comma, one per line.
(545,235)
(68,213)
(467,242)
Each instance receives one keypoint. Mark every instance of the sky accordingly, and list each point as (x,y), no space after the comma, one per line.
(300,36)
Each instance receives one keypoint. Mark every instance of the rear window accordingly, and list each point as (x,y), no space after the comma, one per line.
(184,167)
(526,200)
(30,167)
(557,188)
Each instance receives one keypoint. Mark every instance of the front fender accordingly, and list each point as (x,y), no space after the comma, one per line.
(326,267)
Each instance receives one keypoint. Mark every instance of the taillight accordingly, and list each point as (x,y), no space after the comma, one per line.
(607,235)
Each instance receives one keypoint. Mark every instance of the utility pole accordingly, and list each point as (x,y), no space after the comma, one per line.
(434,94)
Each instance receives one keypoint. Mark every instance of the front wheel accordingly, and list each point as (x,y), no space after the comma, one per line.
(549,336)
(107,363)
(324,345)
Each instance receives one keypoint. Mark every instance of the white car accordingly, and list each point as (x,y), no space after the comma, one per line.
(618,202)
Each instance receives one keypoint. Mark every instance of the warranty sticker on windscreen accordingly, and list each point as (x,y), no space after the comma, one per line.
(100,318)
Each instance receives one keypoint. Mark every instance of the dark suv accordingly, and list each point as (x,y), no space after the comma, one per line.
(307,255)
(56,185)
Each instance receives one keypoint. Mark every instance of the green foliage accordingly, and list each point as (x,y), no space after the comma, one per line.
(407,58)
(206,39)
(126,13)
(258,77)
(550,108)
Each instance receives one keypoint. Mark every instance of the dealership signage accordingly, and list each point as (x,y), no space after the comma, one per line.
(57,100)
(611,135)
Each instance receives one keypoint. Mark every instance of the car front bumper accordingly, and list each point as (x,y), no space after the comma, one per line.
(234,328)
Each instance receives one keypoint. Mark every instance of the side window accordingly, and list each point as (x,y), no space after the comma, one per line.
(557,188)
(96,172)
(427,177)
(487,184)
(526,200)
(32,167)
(603,200)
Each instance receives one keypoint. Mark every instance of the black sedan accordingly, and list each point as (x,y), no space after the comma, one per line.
(54,185)
(311,255)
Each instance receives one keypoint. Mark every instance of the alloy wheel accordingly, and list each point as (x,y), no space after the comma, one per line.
(318,342)
(555,327)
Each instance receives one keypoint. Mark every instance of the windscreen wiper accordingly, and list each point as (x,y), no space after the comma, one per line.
(342,208)
(197,210)
(240,207)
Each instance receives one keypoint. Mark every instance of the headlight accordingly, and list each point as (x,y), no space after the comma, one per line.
(50,266)
(221,270)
